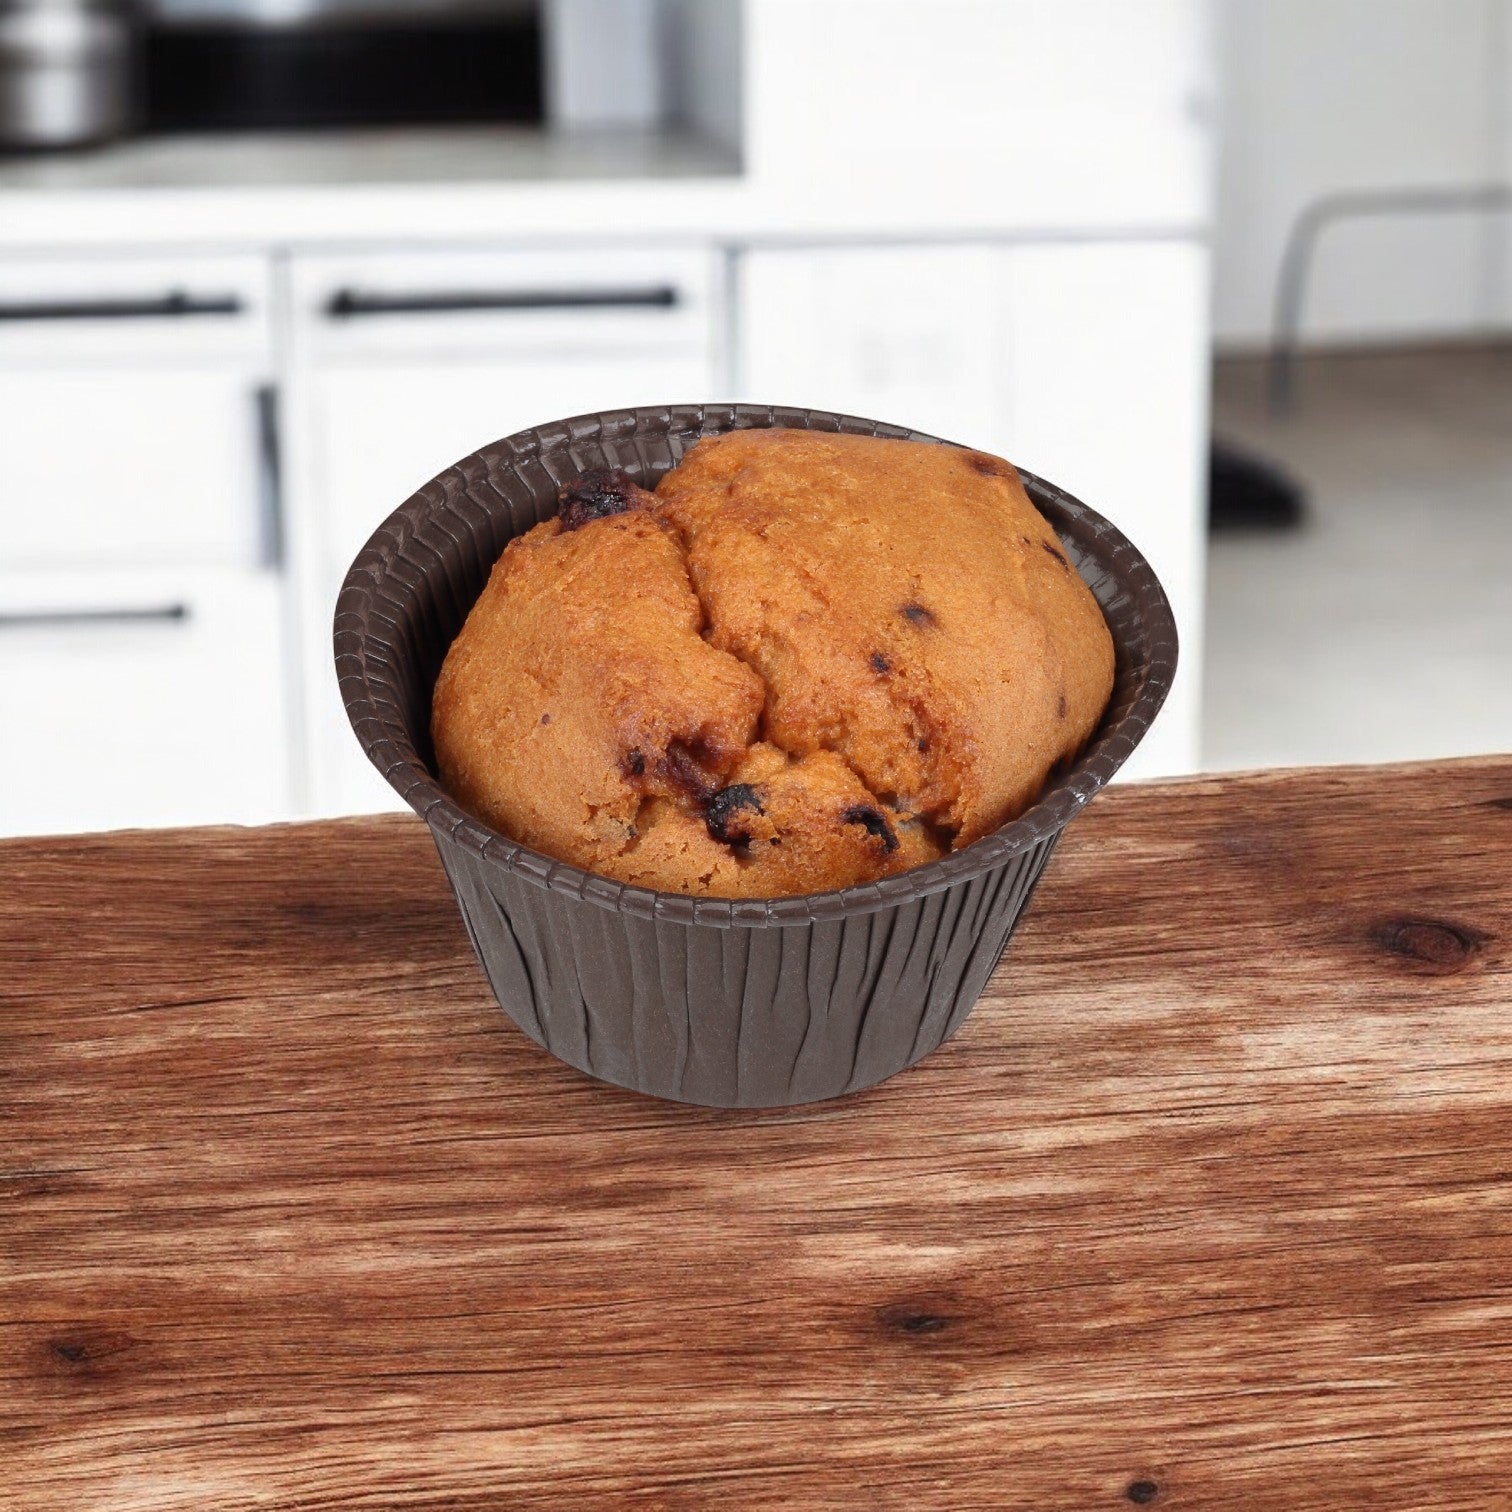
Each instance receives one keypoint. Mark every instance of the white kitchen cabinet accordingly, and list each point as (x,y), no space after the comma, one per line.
(134,412)
(181,417)
(910,334)
(933,116)
(141,697)
(1084,362)
(405,362)
(144,645)
(385,429)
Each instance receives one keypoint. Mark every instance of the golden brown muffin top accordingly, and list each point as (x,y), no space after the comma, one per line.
(809,660)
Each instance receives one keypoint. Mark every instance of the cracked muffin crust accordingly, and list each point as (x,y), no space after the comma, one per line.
(807,660)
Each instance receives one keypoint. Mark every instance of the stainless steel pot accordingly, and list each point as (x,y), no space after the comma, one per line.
(68,72)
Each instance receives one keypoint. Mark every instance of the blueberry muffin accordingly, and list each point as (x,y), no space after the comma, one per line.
(807,660)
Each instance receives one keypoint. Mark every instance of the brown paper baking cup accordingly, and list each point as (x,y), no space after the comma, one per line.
(725,1002)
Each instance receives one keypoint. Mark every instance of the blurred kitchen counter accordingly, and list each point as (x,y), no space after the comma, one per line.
(394,157)
(423,181)
(443,183)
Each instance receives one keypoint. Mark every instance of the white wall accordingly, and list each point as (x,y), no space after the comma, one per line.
(1322,95)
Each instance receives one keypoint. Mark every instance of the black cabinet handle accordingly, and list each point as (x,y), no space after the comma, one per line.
(167,614)
(166,306)
(345,303)
(269,476)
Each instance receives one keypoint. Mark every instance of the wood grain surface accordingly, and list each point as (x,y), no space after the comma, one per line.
(1209,1204)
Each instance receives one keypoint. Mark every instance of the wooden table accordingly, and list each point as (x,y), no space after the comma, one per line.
(1207,1206)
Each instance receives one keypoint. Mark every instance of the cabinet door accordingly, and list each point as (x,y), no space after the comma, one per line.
(908,334)
(141,698)
(133,412)
(490,303)
(382,430)
(1085,363)
(406,361)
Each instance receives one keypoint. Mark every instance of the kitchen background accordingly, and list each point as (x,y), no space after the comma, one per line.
(268,265)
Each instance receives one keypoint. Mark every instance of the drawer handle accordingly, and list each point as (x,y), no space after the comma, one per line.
(167,306)
(269,475)
(345,303)
(36,618)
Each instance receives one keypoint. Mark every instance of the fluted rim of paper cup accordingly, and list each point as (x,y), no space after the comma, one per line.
(374,703)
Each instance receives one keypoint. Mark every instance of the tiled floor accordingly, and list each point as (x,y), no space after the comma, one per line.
(1381,630)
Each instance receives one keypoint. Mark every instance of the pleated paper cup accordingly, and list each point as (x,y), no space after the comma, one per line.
(726,1002)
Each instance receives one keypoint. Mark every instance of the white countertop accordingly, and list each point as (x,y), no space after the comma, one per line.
(342,186)
(395,157)
(458,184)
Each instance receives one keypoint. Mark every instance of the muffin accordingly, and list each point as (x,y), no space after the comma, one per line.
(728,1002)
(808,660)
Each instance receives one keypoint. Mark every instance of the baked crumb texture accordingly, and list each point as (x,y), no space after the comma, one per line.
(807,660)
